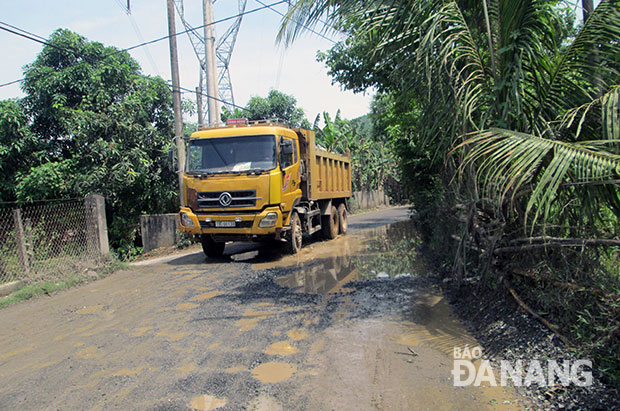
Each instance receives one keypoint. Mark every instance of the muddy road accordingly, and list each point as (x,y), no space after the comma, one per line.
(348,324)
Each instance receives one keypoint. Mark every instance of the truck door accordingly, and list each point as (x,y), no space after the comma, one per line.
(291,178)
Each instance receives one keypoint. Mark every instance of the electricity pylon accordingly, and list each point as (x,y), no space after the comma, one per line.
(224,46)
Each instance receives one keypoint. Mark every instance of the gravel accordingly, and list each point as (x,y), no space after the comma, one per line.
(507,333)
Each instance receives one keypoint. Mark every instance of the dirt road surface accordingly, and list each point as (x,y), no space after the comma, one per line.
(348,324)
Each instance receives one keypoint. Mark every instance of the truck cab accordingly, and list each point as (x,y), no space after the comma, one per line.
(244,182)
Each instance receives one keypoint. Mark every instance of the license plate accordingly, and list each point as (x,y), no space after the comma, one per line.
(224,223)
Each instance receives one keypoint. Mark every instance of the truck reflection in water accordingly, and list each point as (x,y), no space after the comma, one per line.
(383,252)
(328,275)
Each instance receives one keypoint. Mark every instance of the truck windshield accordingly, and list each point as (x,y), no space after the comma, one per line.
(232,154)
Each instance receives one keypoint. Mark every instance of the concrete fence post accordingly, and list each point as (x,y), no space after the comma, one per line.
(356,196)
(20,241)
(96,204)
(159,230)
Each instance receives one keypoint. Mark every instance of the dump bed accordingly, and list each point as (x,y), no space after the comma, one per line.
(326,175)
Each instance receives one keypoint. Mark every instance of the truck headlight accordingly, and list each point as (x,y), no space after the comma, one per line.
(186,221)
(269,220)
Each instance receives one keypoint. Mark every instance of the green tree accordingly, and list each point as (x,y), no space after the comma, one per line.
(106,128)
(492,82)
(17,146)
(275,105)
(372,154)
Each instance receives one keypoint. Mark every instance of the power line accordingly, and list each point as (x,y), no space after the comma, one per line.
(205,25)
(143,43)
(23,31)
(32,36)
(29,37)
(138,32)
(12,82)
(186,90)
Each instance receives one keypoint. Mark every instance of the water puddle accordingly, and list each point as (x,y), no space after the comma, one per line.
(272,372)
(386,252)
(282,348)
(250,319)
(139,332)
(205,296)
(206,403)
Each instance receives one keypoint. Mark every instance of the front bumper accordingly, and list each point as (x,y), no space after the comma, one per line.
(245,223)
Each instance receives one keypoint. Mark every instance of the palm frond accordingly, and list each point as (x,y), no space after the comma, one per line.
(607,106)
(589,65)
(507,160)
(611,113)
(325,15)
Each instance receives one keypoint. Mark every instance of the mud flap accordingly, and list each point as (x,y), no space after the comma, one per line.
(326,207)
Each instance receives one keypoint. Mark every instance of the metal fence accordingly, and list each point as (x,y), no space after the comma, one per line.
(49,240)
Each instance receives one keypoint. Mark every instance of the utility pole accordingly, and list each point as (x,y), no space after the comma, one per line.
(210,62)
(201,118)
(176,99)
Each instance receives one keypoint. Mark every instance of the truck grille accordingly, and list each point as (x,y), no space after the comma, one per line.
(219,199)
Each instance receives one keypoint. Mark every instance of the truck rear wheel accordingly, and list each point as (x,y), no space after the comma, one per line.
(330,224)
(211,248)
(294,235)
(342,219)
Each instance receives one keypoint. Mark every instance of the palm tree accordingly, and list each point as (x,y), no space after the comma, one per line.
(531,119)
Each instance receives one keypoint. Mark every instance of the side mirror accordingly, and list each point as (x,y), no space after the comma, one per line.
(286,147)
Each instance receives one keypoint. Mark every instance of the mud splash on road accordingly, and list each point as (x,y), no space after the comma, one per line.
(206,403)
(273,372)
(383,305)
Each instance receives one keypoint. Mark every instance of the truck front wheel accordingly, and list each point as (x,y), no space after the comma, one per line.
(330,224)
(294,236)
(211,248)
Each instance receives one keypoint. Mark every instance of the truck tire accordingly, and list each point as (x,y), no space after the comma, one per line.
(330,224)
(294,235)
(211,248)
(342,219)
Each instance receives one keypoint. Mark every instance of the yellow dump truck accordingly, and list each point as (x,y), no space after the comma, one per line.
(262,181)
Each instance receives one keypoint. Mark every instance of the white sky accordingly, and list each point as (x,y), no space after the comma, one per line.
(257,64)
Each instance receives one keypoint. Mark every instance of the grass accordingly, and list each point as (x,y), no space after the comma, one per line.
(50,286)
